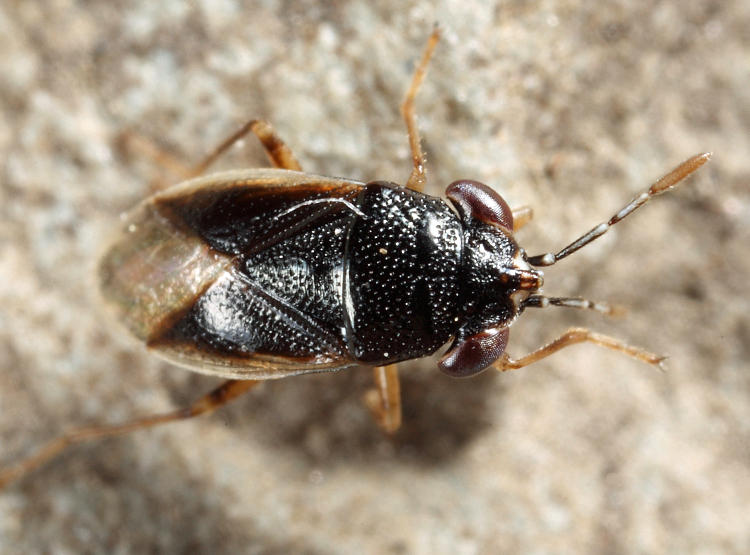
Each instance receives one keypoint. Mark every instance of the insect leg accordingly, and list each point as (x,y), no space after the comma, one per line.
(384,400)
(521,216)
(417,178)
(129,139)
(664,184)
(226,392)
(278,152)
(578,335)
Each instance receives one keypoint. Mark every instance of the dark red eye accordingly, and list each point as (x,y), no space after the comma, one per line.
(474,354)
(475,200)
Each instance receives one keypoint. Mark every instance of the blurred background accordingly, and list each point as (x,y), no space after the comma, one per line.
(569,107)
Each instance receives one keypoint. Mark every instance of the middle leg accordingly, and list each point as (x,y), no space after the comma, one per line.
(278,152)
(276,149)
(384,400)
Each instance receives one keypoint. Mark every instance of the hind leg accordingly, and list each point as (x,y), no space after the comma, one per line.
(226,392)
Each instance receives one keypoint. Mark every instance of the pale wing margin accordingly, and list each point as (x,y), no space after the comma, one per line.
(260,367)
(255,178)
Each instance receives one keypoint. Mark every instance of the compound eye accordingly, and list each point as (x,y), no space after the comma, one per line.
(474,354)
(474,200)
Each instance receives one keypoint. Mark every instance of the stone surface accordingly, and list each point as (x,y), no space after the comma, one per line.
(565,106)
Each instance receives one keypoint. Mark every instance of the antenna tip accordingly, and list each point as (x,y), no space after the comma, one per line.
(692,164)
(679,173)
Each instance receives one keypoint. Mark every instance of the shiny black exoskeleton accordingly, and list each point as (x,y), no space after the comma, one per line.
(416,274)
(329,277)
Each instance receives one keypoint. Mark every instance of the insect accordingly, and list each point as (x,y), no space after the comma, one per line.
(267,273)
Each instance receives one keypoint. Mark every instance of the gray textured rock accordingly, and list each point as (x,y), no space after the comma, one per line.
(568,107)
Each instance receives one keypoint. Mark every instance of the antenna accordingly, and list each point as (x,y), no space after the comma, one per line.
(661,186)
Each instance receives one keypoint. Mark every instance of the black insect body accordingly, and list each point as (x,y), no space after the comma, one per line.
(268,273)
(304,276)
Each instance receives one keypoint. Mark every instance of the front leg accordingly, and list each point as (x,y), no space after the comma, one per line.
(417,178)
(521,216)
(579,335)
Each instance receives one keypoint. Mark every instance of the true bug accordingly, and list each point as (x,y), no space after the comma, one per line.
(268,273)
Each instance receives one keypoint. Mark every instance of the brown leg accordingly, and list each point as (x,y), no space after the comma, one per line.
(226,392)
(130,140)
(579,335)
(417,178)
(521,216)
(384,400)
(279,154)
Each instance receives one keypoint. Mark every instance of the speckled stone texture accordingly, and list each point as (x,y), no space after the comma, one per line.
(570,107)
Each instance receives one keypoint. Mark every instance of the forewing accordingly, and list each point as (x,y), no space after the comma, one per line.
(246,211)
(230,323)
(238,329)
